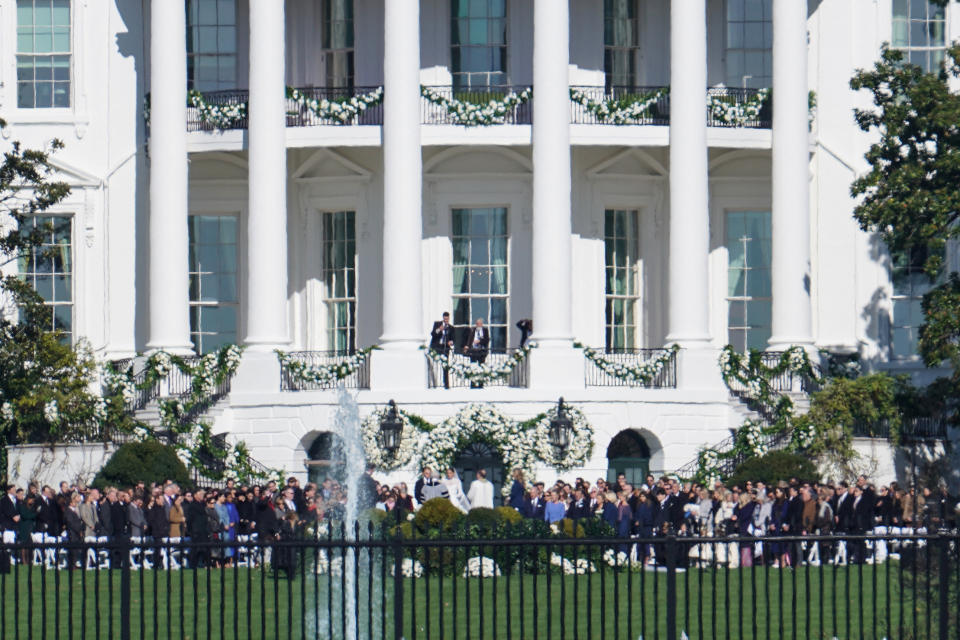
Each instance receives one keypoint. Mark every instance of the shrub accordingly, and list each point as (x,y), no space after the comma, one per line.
(570,528)
(438,514)
(509,515)
(774,467)
(145,462)
(484,519)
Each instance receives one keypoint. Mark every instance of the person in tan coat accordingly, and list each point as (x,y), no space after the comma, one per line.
(177,519)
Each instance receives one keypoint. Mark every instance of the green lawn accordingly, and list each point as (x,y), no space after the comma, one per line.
(825,602)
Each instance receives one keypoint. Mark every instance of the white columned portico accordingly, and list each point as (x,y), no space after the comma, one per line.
(266,296)
(790,269)
(400,364)
(689,317)
(554,363)
(168,271)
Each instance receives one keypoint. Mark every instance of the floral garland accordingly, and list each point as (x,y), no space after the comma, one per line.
(479,373)
(470,114)
(620,111)
(376,456)
(581,445)
(738,115)
(644,373)
(326,373)
(343,111)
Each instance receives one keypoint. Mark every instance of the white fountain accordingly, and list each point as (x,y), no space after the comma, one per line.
(347,420)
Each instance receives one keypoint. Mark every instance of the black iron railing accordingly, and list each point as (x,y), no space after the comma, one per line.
(359,379)
(654,100)
(516,378)
(916,429)
(737,100)
(892,584)
(786,382)
(665,378)
(433,113)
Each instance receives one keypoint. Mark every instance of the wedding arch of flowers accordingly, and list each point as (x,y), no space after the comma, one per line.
(522,445)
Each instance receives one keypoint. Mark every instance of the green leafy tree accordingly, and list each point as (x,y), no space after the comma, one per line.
(910,195)
(44,381)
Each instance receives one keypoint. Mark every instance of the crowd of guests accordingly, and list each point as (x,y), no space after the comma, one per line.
(168,512)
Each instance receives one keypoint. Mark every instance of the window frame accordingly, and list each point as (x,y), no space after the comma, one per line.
(767,23)
(329,52)
(331,300)
(633,51)
(196,332)
(634,275)
(461,329)
(746,327)
(50,113)
(926,49)
(456,49)
(31,275)
(217,55)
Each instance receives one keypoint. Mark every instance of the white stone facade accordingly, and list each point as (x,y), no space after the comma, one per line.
(134,190)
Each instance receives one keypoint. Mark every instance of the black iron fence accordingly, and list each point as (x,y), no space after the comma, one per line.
(916,429)
(452,378)
(479,96)
(735,107)
(893,584)
(300,113)
(785,382)
(665,377)
(638,105)
(359,379)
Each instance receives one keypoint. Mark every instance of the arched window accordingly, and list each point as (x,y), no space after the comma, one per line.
(324,457)
(629,454)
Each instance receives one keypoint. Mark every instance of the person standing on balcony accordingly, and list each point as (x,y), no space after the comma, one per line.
(477,346)
(526,328)
(441,341)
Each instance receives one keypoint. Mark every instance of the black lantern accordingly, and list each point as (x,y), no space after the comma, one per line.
(561,428)
(390,428)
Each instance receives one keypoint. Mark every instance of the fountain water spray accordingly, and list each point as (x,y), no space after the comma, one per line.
(347,420)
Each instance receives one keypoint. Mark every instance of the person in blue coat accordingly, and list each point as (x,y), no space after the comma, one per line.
(608,508)
(624,520)
(518,491)
(555,509)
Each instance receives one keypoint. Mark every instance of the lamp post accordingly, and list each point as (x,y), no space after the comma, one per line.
(561,428)
(390,428)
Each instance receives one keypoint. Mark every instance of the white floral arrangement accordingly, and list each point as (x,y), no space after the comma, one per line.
(219,116)
(805,435)
(376,456)
(580,447)
(342,111)
(471,114)
(753,437)
(477,421)
(410,568)
(644,372)
(324,374)
(6,412)
(481,567)
(610,110)
(616,559)
(578,567)
(475,372)
(737,115)
(51,412)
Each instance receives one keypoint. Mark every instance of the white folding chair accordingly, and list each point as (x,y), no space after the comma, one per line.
(170,553)
(10,537)
(97,558)
(37,539)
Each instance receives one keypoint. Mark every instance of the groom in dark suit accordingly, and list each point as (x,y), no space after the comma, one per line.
(477,346)
(441,341)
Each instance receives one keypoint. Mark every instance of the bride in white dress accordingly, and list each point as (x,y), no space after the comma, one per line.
(455,489)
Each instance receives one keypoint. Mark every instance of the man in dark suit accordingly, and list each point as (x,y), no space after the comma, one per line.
(535,507)
(862,523)
(9,512)
(49,518)
(580,507)
(526,328)
(441,341)
(477,346)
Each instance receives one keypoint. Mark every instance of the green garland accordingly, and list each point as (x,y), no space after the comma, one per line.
(644,373)
(323,374)
(478,373)
(629,110)
(470,114)
(737,114)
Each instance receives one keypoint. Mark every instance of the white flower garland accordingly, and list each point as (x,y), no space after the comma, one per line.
(581,442)
(644,372)
(369,432)
(470,114)
(609,109)
(220,116)
(324,373)
(734,114)
(474,371)
(343,111)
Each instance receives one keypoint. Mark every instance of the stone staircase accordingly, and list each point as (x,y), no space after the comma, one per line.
(150,413)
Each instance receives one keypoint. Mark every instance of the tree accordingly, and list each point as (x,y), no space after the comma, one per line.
(44,381)
(910,195)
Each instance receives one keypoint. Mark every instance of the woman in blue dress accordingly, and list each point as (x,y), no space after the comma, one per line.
(555,509)
(778,521)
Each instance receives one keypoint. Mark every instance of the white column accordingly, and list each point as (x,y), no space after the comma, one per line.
(689,321)
(790,273)
(401,364)
(266,300)
(169,294)
(554,364)
(402,178)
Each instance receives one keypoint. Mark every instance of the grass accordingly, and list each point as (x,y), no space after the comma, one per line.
(823,602)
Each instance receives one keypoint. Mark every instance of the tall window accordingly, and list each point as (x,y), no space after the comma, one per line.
(749,248)
(623,288)
(340,279)
(337,42)
(919,29)
(50,269)
(910,283)
(213,282)
(211,44)
(480,271)
(621,49)
(43,53)
(749,46)
(478,42)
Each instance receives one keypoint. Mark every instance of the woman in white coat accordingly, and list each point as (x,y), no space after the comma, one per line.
(455,489)
(481,491)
